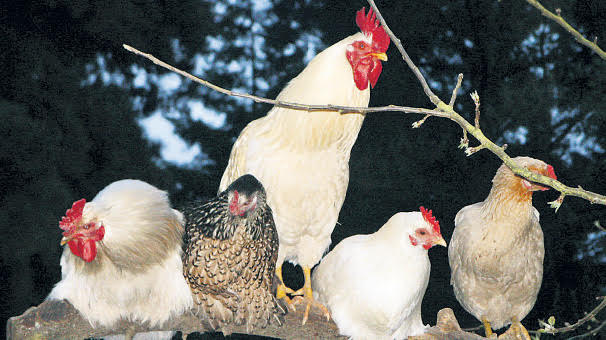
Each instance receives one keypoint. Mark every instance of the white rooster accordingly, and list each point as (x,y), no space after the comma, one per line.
(374,284)
(123,257)
(302,158)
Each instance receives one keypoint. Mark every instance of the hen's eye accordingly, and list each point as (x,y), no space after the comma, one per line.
(422,232)
(361,45)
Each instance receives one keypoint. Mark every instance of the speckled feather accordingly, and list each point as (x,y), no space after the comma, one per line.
(229,261)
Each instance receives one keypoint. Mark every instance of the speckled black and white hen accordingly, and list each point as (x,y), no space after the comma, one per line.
(229,259)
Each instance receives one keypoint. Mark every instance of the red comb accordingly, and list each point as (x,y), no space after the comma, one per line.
(551,172)
(72,215)
(369,25)
(431,220)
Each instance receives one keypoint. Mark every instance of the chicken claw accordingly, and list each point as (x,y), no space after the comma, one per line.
(517,330)
(308,297)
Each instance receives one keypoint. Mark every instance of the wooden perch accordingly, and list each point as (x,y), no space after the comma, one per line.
(60,320)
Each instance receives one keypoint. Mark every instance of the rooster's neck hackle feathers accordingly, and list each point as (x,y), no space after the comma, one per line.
(330,76)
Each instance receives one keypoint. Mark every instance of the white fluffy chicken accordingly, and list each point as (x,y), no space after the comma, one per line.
(123,257)
(302,157)
(374,284)
(496,251)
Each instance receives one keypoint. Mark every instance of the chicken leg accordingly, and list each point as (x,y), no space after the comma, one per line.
(308,297)
(282,290)
(487,328)
(518,330)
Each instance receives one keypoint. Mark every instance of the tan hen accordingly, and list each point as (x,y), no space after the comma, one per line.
(496,251)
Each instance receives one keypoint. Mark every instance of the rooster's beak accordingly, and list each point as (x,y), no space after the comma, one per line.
(440,242)
(64,240)
(380,56)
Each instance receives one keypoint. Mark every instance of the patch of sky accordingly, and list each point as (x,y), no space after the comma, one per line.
(173,148)
(211,118)
(177,50)
(576,140)
(517,136)
(99,71)
(543,35)
(592,247)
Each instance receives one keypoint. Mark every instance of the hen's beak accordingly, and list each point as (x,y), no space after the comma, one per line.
(440,242)
(380,56)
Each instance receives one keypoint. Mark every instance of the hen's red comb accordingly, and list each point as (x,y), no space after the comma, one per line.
(551,172)
(72,215)
(369,25)
(431,220)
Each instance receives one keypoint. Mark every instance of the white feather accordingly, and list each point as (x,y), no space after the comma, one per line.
(374,284)
(138,219)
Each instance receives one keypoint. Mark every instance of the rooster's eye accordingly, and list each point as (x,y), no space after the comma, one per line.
(361,46)
(422,232)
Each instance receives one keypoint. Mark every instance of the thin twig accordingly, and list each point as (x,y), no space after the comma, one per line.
(560,21)
(588,317)
(476,100)
(592,332)
(420,122)
(453,98)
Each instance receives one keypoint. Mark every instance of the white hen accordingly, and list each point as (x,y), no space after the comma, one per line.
(373,284)
(123,258)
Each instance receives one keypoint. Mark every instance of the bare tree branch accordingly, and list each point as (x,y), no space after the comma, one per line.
(588,317)
(443,110)
(560,21)
(479,135)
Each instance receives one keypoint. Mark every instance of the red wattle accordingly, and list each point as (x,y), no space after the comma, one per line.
(89,250)
(360,76)
(375,72)
(75,245)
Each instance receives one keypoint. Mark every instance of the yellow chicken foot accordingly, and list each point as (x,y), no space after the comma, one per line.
(518,330)
(487,328)
(308,297)
(282,290)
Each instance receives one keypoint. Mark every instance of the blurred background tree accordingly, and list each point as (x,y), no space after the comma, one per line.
(80,112)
